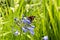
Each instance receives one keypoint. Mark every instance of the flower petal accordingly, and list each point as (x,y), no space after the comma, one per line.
(16,33)
(25,30)
(45,38)
(26,21)
(32,26)
(31,30)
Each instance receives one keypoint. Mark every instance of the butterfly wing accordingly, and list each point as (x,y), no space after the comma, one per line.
(31,18)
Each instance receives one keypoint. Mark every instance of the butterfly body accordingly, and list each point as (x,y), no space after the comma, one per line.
(31,18)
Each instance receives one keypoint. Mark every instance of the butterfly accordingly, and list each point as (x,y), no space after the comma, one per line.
(25,20)
(28,20)
(31,18)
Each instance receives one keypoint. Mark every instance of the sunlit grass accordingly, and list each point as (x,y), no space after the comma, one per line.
(46,22)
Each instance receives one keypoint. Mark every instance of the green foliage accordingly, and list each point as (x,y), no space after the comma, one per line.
(47,21)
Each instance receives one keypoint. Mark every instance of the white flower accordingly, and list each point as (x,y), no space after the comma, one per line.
(12,8)
(16,33)
(27,7)
(16,5)
(45,38)
(27,10)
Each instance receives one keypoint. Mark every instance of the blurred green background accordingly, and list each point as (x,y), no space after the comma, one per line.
(47,21)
